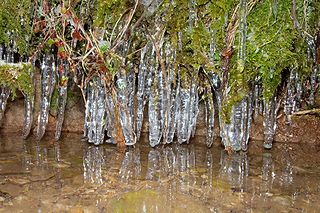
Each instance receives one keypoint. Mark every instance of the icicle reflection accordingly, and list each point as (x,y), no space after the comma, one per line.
(131,165)
(170,171)
(93,162)
(235,169)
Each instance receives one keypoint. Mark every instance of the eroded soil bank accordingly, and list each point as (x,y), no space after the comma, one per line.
(73,176)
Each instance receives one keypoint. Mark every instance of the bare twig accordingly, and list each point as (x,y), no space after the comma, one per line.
(305,112)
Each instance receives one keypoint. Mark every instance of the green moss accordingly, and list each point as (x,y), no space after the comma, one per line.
(270,43)
(15,23)
(17,78)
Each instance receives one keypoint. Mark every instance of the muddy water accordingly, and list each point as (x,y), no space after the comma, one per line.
(72,176)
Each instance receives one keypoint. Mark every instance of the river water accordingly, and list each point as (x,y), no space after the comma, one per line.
(73,176)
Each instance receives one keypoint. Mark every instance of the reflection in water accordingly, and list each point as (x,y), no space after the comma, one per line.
(268,176)
(153,172)
(169,163)
(41,157)
(166,173)
(93,162)
(235,169)
(207,177)
(131,165)
(26,158)
(268,173)
(35,157)
(57,152)
(286,178)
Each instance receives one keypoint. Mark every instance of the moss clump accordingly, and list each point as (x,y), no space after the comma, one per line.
(15,24)
(17,78)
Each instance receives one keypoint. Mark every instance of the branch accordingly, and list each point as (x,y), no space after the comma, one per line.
(305,112)
(124,30)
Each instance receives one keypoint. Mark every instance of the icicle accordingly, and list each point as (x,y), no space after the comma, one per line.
(256,97)
(209,117)
(215,83)
(89,101)
(95,113)
(269,122)
(168,104)
(10,53)
(246,120)
(290,101)
(125,119)
(183,115)
(154,107)
(299,91)
(110,120)
(131,79)
(1,52)
(236,133)
(144,88)
(28,111)
(98,113)
(154,115)
(142,78)
(151,5)
(235,126)
(193,112)
(231,136)
(313,84)
(62,71)
(91,107)
(173,115)
(47,87)
(5,93)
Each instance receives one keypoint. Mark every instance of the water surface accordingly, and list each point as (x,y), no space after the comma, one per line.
(73,176)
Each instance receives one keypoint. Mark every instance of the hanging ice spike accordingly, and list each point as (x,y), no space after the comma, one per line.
(96,110)
(142,79)
(126,119)
(269,122)
(154,107)
(209,118)
(47,87)
(5,93)
(28,110)
(62,74)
